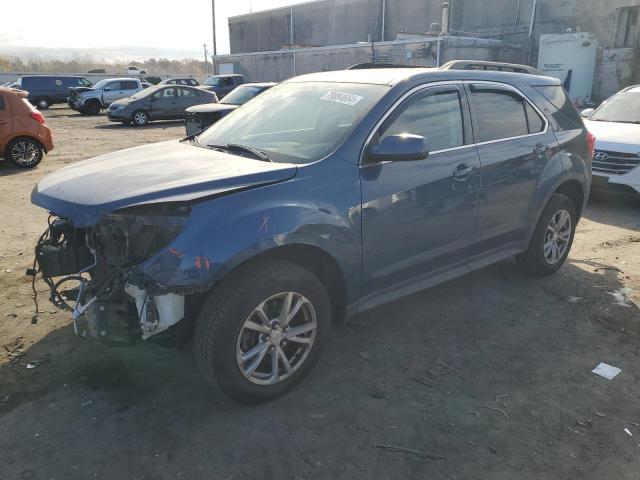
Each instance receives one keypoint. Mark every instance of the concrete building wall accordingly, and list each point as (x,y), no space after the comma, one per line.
(279,65)
(326,22)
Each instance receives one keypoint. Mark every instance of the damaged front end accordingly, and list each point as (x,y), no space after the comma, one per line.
(93,271)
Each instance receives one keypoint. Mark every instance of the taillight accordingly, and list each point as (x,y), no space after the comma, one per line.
(591,144)
(37,116)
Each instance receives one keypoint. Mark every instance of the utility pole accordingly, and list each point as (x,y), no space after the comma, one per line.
(206,60)
(215,50)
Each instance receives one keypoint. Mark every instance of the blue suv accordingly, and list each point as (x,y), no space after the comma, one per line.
(328,195)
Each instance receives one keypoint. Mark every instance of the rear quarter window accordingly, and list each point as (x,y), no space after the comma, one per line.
(566,114)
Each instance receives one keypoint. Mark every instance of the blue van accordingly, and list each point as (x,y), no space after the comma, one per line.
(45,90)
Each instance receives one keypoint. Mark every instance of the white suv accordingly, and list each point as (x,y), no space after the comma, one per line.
(616,125)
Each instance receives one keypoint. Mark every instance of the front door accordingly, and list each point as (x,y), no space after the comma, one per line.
(112,92)
(164,103)
(514,146)
(419,217)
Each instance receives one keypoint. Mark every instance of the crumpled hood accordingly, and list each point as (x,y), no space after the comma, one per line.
(166,171)
(615,137)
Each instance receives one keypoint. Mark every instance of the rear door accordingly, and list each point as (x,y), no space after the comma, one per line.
(419,217)
(187,97)
(514,143)
(6,122)
(129,87)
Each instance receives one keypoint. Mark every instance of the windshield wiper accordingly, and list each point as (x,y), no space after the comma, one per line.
(260,155)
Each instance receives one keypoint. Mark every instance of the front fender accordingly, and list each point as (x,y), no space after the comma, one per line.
(225,232)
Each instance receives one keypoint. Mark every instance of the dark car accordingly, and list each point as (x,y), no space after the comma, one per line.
(202,116)
(157,103)
(191,82)
(222,84)
(46,90)
(328,195)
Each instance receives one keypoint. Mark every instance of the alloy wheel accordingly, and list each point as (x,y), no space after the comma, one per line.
(276,338)
(557,236)
(25,153)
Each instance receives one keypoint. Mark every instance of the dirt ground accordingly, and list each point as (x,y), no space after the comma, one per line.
(485,377)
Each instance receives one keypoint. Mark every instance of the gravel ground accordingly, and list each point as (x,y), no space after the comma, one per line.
(485,377)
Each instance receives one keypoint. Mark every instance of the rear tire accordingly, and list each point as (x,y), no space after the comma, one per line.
(42,103)
(252,310)
(24,152)
(552,239)
(140,118)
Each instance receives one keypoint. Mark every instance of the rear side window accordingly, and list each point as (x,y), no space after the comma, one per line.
(437,116)
(567,115)
(499,114)
(129,85)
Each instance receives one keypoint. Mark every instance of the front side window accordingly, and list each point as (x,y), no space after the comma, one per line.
(436,116)
(298,122)
(114,86)
(212,82)
(499,114)
(165,93)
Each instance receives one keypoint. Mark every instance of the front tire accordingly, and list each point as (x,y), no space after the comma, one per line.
(552,238)
(91,108)
(261,331)
(24,152)
(140,118)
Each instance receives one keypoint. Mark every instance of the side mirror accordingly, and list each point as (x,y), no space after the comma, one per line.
(587,112)
(398,148)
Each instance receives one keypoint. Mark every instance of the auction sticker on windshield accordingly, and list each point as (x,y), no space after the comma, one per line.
(341,97)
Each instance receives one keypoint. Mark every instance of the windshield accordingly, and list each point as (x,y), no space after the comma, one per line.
(101,83)
(144,93)
(241,95)
(212,81)
(296,122)
(622,108)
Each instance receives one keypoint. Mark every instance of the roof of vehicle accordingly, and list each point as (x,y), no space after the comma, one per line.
(211,108)
(226,75)
(393,76)
(15,91)
(258,84)
(122,78)
(177,78)
(52,76)
(485,65)
(632,89)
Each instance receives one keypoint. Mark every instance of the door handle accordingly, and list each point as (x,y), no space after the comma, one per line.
(462,172)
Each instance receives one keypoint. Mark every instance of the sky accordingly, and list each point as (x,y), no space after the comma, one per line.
(178,28)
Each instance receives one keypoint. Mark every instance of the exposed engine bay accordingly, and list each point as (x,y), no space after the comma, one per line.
(92,272)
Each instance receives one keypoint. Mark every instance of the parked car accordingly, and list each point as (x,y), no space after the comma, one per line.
(161,102)
(202,116)
(191,82)
(24,136)
(616,125)
(46,90)
(90,101)
(222,84)
(133,70)
(329,194)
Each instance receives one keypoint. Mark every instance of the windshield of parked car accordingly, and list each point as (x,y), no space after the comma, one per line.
(296,122)
(212,81)
(144,93)
(241,95)
(102,83)
(622,108)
